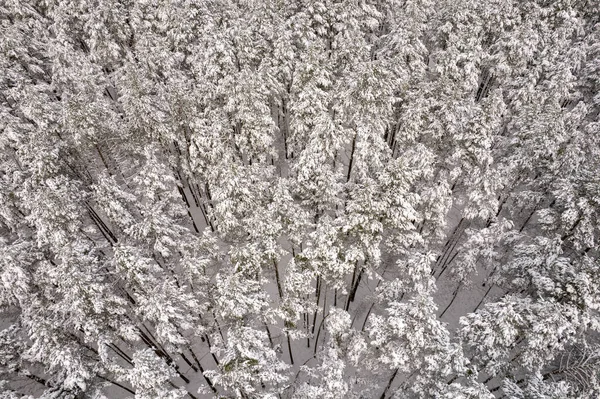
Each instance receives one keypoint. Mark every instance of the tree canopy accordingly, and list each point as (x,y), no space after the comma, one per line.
(299,199)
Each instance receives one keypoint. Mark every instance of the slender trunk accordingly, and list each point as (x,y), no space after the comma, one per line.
(290,348)
(447,245)
(101,222)
(456,238)
(268,334)
(483,87)
(131,391)
(490,275)
(452,301)
(351,286)
(318,294)
(351,158)
(392,136)
(37,379)
(389,384)
(209,196)
(106,237)
(278,280)
(210,347)
(176,387)
(499,209)
(106,232)
(483,299)
(188,362)
(187,204)
(103,159)
(218,326)
(284,127)
(491,377)
(354,288)
(121,354)
(367,317)
(452,379)
(572,229)
(321,324)
(161,352)
(195,190)
(307,328)
(528,218)
(447,264)
(395,142)
(205,216)
(208,381)
(153,341)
